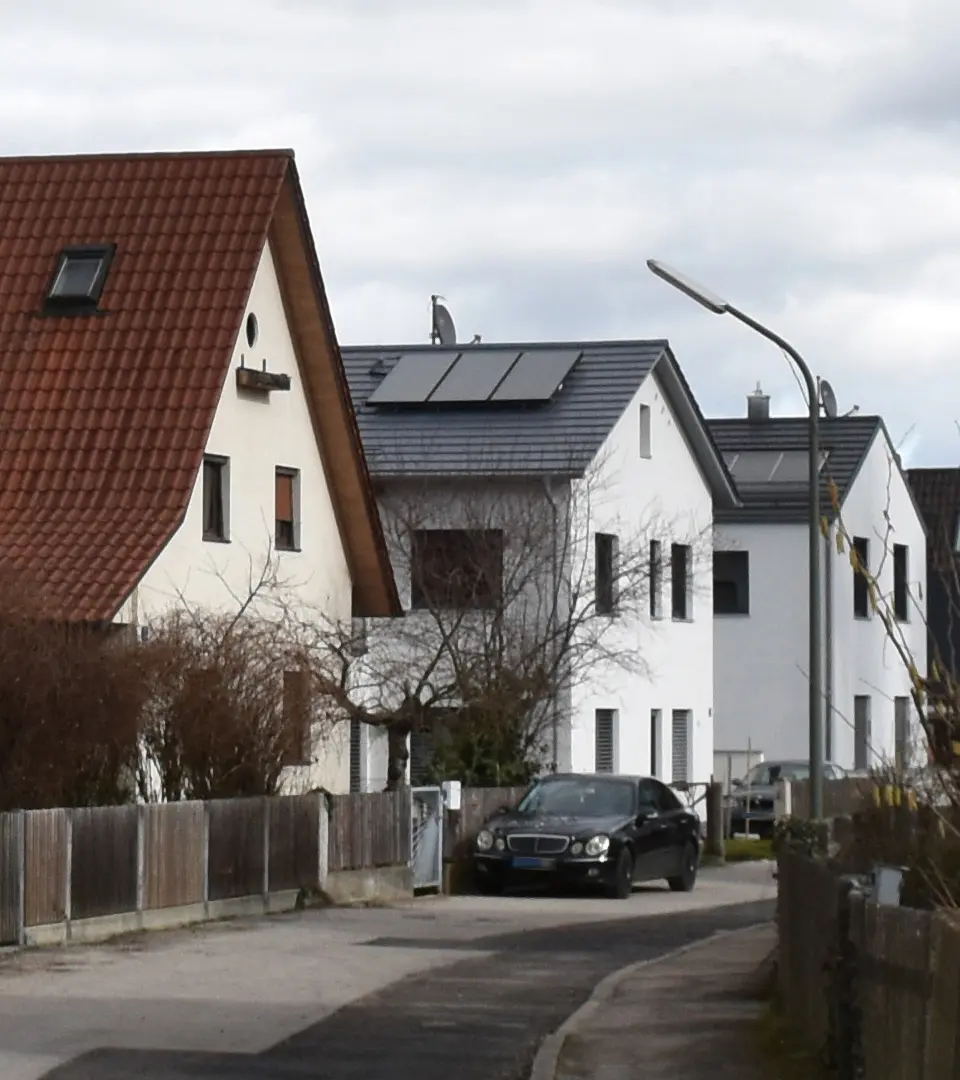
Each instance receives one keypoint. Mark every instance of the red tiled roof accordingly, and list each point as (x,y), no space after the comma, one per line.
(104,418)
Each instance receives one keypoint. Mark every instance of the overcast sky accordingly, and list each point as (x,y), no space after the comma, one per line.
(524,157)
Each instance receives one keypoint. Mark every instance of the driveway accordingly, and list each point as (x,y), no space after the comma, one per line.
(464,985)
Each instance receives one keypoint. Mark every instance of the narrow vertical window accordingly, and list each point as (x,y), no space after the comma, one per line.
(645,432)
(605,551)
(901,582)
(680,581)
(656,580)
(216,498)
(861,570)
(286,498)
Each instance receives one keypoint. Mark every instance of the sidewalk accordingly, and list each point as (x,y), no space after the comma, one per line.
(691,1015)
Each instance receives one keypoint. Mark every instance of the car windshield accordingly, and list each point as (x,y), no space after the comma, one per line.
(769,772)
(580,798)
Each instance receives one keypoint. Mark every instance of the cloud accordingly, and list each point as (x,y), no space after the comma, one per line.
(524,158)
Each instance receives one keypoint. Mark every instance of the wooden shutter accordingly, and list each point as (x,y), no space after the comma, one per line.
(284,496)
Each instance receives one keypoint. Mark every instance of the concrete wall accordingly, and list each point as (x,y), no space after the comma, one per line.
(666,497)
(762,658)
(258,433)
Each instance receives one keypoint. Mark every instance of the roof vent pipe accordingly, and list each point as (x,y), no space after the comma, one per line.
(758,405)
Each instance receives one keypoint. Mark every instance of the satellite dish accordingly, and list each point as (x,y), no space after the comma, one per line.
(443,329)
(828,399)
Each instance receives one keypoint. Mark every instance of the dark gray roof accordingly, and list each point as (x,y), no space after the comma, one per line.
(846,440)
(559,438)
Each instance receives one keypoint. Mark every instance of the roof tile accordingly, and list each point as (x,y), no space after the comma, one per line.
(103,420)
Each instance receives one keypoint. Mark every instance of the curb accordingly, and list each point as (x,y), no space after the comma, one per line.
(548,1056)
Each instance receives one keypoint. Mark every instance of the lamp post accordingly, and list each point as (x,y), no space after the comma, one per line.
(718,306)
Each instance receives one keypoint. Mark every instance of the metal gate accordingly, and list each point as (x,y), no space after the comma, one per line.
(11,878)
(426,837)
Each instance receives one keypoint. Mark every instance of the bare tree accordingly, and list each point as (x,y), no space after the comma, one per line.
(229,704)
(520,593)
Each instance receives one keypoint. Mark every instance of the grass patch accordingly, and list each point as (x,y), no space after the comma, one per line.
(788,1058)
(738,849)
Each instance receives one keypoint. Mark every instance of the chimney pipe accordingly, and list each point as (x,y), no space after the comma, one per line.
(758,405)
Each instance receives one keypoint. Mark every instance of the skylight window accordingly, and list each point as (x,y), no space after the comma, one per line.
(79,279)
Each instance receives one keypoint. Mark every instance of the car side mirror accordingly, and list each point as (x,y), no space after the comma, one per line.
(737,784)
(503,809)
(645,813)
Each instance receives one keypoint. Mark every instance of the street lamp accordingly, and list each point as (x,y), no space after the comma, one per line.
(720,307)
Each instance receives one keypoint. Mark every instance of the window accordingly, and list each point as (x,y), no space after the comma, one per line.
(667,801)
(861,731)
(901,579)
(901,732)
(656,741)
(605,740)
(645,434)
(78,279)
(356,756)
(286,485)
(861,592)
(656,580)
(605,557)
(681,746)
(456,569)
(296,717)
(956,537)
(216,498)
(731,583)
(680,580)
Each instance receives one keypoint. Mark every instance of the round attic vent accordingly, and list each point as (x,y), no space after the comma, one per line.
(253,329)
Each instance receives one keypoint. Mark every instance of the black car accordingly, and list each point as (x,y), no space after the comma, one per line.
(610,831)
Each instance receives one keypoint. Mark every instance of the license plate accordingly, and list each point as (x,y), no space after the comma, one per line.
(527,862)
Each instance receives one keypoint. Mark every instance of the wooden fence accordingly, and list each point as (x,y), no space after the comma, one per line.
(369,830)
(876,987)
(60,866)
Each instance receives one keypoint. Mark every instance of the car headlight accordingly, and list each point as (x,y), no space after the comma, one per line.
(484,840)
(598,845)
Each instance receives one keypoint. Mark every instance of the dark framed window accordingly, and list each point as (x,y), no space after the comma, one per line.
(605,548)
(656,741)
(296,717)
(731,583)
(901,582)
(656,579)
(456,569)
(286,483)
(216,498)
(861,590)
(680,581)
(78,279)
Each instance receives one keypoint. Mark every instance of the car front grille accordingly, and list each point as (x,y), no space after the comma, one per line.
(535,844)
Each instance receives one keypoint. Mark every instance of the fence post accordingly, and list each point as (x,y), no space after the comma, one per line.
(22,880)
(323,839)
(141,859)
(266,849)
(715,829)
(68,872)
(205,855)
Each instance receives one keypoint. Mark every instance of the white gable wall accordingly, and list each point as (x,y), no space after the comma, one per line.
(865,663)
(258,433)
(665,497)
(761,682)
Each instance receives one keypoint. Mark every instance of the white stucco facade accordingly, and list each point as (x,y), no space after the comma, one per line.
(645,485)
(665,497)
(761,659)
(257,433)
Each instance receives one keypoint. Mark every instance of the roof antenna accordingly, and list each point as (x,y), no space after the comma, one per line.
(442,330)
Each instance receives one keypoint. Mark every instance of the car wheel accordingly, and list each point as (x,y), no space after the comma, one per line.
(687,878)
(622,885)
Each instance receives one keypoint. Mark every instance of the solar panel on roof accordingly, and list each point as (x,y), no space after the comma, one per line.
(475,375)
(413,378)
(794,467)
(537,375)
(753,466)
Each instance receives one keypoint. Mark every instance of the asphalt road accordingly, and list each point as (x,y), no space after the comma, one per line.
(474,1003)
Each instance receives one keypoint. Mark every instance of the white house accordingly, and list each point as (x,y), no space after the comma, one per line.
(173,390)
(761,585)
(598,448)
